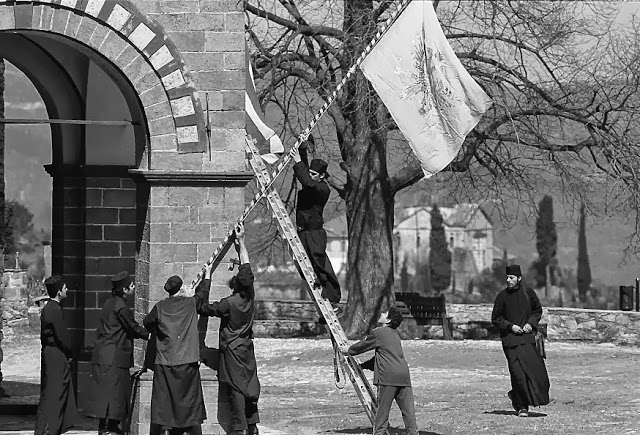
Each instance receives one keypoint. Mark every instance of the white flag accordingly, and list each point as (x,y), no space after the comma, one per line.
(432,98)
(269,142)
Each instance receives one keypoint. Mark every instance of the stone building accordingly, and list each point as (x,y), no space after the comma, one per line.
(136,184)
(467,228)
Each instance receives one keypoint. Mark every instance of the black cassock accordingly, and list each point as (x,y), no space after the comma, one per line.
(111,359)
(176,397)
(309,208)
(57,407)
(239,388)
(529,378)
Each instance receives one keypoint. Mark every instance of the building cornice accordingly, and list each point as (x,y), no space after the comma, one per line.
(233,179)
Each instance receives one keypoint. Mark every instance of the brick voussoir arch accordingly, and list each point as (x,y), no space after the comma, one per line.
(133,42)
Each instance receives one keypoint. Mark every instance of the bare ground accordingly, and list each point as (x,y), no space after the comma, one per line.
(460,388)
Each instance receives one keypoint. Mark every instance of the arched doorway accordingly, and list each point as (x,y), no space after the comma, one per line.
(118,99)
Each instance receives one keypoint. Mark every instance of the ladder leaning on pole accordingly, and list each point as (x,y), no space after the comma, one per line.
(356,375)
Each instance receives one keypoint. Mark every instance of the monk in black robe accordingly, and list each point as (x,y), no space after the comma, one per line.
(177,403)
(57,408)
(113,356)
(516,313)
(309,208)
(239,387)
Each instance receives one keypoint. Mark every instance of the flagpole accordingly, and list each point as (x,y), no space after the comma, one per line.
(305,134)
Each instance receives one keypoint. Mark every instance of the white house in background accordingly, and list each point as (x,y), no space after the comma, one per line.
(337,244)
(467,228)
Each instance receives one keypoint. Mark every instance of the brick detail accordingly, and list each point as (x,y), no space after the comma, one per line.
(93,22)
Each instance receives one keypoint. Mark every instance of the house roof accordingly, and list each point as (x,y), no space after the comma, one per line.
(458,216)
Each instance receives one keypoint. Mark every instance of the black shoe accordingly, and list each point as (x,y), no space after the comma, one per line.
(252,429)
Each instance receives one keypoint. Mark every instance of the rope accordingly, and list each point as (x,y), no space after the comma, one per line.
(338,363)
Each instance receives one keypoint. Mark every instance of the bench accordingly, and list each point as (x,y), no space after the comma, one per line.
(427,310)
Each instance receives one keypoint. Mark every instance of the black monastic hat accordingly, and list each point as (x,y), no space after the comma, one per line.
(514,269)
(318,165)
(120,280)
(173,285)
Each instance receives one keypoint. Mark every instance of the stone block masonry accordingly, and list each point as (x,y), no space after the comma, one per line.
(165,214)
(172,52)
(209,36)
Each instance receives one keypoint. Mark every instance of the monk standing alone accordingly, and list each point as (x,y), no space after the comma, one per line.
(516,313)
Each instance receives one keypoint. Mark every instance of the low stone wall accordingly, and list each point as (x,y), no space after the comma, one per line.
(605,326)
(297,318)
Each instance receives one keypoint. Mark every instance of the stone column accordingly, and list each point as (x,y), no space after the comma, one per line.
(94,237)
(67,247)
(182,217)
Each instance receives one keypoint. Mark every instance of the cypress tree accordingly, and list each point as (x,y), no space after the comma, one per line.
(439,254)
(546,239)
(404,276)
(584,269)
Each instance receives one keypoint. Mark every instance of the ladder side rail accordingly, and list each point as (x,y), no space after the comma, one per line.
(300,254)
(356,376)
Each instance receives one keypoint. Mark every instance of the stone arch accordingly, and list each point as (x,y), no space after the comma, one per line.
(139,48)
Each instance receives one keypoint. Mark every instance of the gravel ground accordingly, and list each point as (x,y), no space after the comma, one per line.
(460,388)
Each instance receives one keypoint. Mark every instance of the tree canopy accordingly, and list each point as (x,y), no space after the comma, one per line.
(563,77)
(18,228)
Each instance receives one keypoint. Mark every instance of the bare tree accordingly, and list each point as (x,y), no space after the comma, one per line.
(563,78)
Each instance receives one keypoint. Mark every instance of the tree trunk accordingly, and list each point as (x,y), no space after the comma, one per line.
(370,222)
(370,200)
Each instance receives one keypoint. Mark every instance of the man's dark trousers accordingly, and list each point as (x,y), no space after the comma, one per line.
(315,244)
(404,398)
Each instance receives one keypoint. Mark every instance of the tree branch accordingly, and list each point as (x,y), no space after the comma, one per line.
(306,30)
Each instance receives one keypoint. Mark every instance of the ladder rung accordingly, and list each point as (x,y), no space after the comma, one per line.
(357,378)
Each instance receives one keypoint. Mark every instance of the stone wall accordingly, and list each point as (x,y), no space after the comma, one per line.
(611,326)
(291,318)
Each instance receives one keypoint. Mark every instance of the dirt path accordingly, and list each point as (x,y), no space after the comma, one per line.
(460,388)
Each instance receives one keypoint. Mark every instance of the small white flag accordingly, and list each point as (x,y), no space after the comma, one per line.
(268,142)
